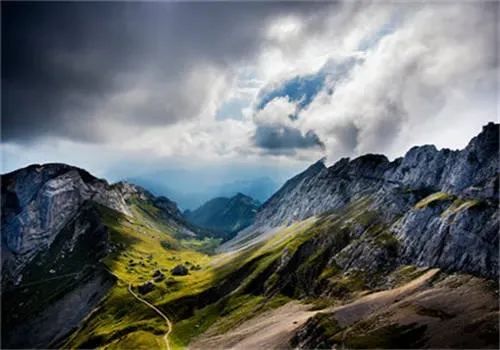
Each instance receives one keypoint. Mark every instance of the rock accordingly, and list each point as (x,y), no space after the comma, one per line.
(158,275)
(460,233)
(40,200)
(319,189)
(146,287)
(180,270)
(160,278)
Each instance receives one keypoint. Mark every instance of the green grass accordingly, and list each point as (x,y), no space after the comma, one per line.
(459,205)
(433,199)
(226,290)
(118,315)
(139,246)
(207,245)
(327,322)
(388,241)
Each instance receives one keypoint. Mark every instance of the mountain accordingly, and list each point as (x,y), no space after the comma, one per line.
(55,225)
(227,215)
(440,205)
(260,188)
(366,253)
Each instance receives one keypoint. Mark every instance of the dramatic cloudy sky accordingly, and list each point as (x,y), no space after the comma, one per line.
(246,88)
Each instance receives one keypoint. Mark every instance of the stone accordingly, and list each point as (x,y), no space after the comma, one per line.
(158,275)
(463,238)
(180,270)
(146,287)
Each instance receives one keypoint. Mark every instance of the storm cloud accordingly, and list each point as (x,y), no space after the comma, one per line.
(283,138)
(74,69)
(261,81)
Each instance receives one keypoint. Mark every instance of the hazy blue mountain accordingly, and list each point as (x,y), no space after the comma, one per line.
(260,189)
(225,215)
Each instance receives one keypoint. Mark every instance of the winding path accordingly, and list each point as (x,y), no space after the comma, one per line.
(169,323)
(165,337)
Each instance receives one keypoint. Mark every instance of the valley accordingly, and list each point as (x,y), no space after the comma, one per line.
(366,253)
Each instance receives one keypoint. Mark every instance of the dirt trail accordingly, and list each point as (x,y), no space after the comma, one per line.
(169,323)
(165,337)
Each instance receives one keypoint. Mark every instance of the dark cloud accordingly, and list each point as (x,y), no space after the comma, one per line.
(282,139)
(62,63)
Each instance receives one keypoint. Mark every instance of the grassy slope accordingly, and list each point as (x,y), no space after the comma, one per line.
(138,248)
(228,289)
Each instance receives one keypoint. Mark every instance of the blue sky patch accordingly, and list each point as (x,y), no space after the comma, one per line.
(300,89)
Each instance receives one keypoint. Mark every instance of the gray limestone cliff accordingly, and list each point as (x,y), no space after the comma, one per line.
(440,205)
(40,200)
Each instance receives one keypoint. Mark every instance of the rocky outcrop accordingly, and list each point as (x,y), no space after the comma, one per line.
(39,200)
(459,231)
(146,287)
(472,171)
(180,270)
(461,236)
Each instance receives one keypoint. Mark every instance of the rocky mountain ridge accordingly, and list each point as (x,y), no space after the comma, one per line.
(469,172)
(40,200)
(440,206)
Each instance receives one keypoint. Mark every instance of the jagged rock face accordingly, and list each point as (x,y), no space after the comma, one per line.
(460,234)
(465,240)
(319,189)
(39,200)
(33,307)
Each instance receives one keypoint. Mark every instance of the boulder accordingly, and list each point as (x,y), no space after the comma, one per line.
(180,270)
(158,275)
(146,287)
(160,278)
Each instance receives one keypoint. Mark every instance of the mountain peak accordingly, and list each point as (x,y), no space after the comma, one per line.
(225,215)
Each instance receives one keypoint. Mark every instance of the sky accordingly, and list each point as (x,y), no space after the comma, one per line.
(234,90)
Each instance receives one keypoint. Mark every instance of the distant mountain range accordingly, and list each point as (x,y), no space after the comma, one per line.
(260,189)
(225,215)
